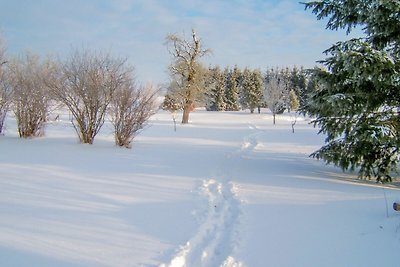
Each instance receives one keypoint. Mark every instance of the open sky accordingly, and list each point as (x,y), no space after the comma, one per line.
(249,33)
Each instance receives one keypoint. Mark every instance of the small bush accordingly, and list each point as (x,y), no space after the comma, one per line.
(130,109)
(5,89)
(30,99)
(86,83)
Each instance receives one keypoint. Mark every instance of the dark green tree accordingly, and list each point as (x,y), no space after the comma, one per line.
(252,89)
(356,100)
(215,96)
(232,89)
(298,83)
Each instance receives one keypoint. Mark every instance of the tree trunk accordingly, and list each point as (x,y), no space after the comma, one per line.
(274,117)
(294,123)
(185,117)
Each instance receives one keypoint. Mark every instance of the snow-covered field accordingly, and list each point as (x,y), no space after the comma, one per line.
(230,189)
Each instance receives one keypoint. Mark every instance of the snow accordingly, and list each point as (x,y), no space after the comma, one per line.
(230,189)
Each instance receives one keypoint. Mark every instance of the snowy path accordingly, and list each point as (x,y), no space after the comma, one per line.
(217,239)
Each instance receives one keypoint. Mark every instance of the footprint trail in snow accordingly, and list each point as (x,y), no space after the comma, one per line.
(216,239)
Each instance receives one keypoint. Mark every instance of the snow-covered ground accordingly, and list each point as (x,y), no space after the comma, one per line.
(229,189)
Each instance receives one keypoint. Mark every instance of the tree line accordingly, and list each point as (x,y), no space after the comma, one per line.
(233,89)
(94,86)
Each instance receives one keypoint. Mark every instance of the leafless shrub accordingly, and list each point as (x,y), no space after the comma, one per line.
(85,83)
(5,89)
(275,92)
(5,100)
(30,99)
(130,110)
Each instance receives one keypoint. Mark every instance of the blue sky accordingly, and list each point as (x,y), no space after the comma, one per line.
(249,33)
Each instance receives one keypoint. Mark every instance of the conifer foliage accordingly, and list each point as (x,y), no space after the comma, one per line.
(252,89)
(223,88)
(234,89)
(233,78)
(357,97)
(215,100)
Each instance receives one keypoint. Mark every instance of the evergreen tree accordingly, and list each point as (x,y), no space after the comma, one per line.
(245,88)
(298,83)
(216,90)
(286,85)
(311,86)
(302,86)
(252,89)
(232,89)
(258,84)
(208,93)
(356,102)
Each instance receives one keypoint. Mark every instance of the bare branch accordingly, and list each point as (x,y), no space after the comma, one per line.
(5,89)
(30,100)
(130,110)
(186,70)
(86,84)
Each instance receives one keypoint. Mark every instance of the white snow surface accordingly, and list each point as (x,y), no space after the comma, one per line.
(230,189)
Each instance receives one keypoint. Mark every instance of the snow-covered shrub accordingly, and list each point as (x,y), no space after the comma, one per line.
(85,83)
(5,89)
(5,99)
(130,109)
(275,90)
(30,98)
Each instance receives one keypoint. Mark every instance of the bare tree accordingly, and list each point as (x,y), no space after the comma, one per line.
(5,99)
(5,88)
(186,69)
(85,83)
(130,110)
(30,99)
(275,91)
